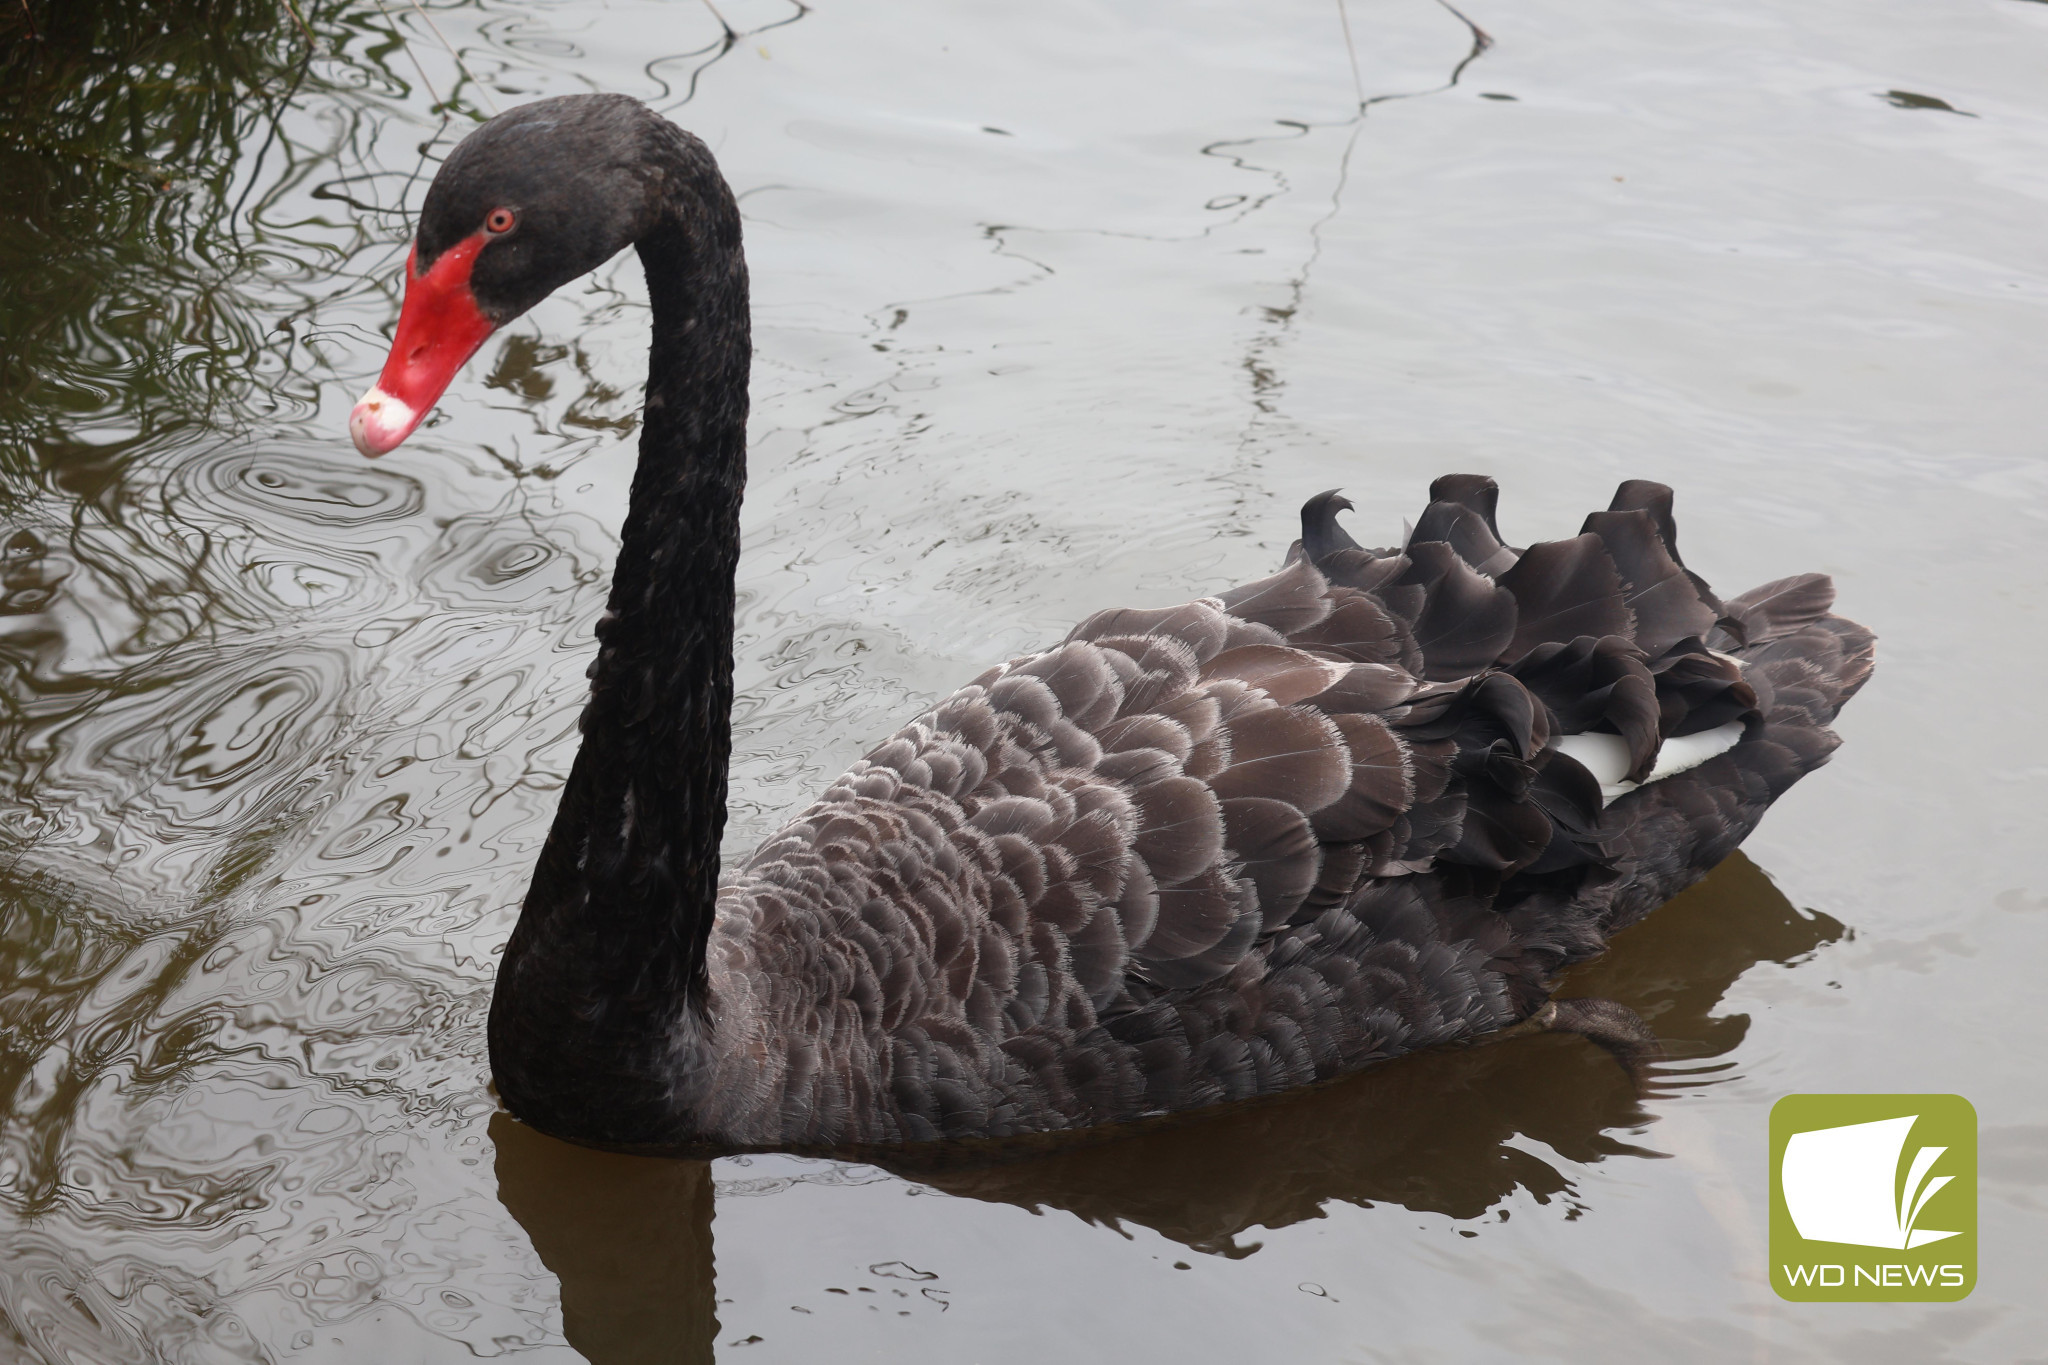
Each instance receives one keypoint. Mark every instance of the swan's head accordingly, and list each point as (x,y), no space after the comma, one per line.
(527,202)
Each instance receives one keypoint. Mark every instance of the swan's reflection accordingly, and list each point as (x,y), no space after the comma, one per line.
(630,1237)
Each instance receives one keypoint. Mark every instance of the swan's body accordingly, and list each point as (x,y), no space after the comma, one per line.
(1368,804)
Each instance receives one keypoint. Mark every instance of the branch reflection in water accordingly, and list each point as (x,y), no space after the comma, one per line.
(630,1237)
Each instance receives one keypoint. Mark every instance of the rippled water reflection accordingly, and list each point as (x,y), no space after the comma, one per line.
(1055,309)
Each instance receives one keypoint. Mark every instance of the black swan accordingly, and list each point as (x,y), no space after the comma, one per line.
(1189,855)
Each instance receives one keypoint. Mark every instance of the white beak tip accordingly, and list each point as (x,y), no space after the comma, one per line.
(379,422)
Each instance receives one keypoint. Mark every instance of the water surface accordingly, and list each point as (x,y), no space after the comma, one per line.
(1057,307)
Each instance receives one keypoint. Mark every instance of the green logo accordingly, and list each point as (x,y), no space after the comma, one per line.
(1873,1198)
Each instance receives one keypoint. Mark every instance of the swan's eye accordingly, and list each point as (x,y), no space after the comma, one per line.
(500,221)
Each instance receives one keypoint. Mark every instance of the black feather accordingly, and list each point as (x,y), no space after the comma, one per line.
(1467,533)
(1667,606)
(1320,534)
(1475,491)
(1466,619)
(1564,589)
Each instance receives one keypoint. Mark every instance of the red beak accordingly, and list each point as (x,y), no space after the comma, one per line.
(439,328)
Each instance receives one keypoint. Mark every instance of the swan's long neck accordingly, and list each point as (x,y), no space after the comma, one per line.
(602,992)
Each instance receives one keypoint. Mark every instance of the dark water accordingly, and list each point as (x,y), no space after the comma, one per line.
(1057,307)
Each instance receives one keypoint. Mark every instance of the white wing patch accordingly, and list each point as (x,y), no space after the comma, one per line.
(1606,756)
